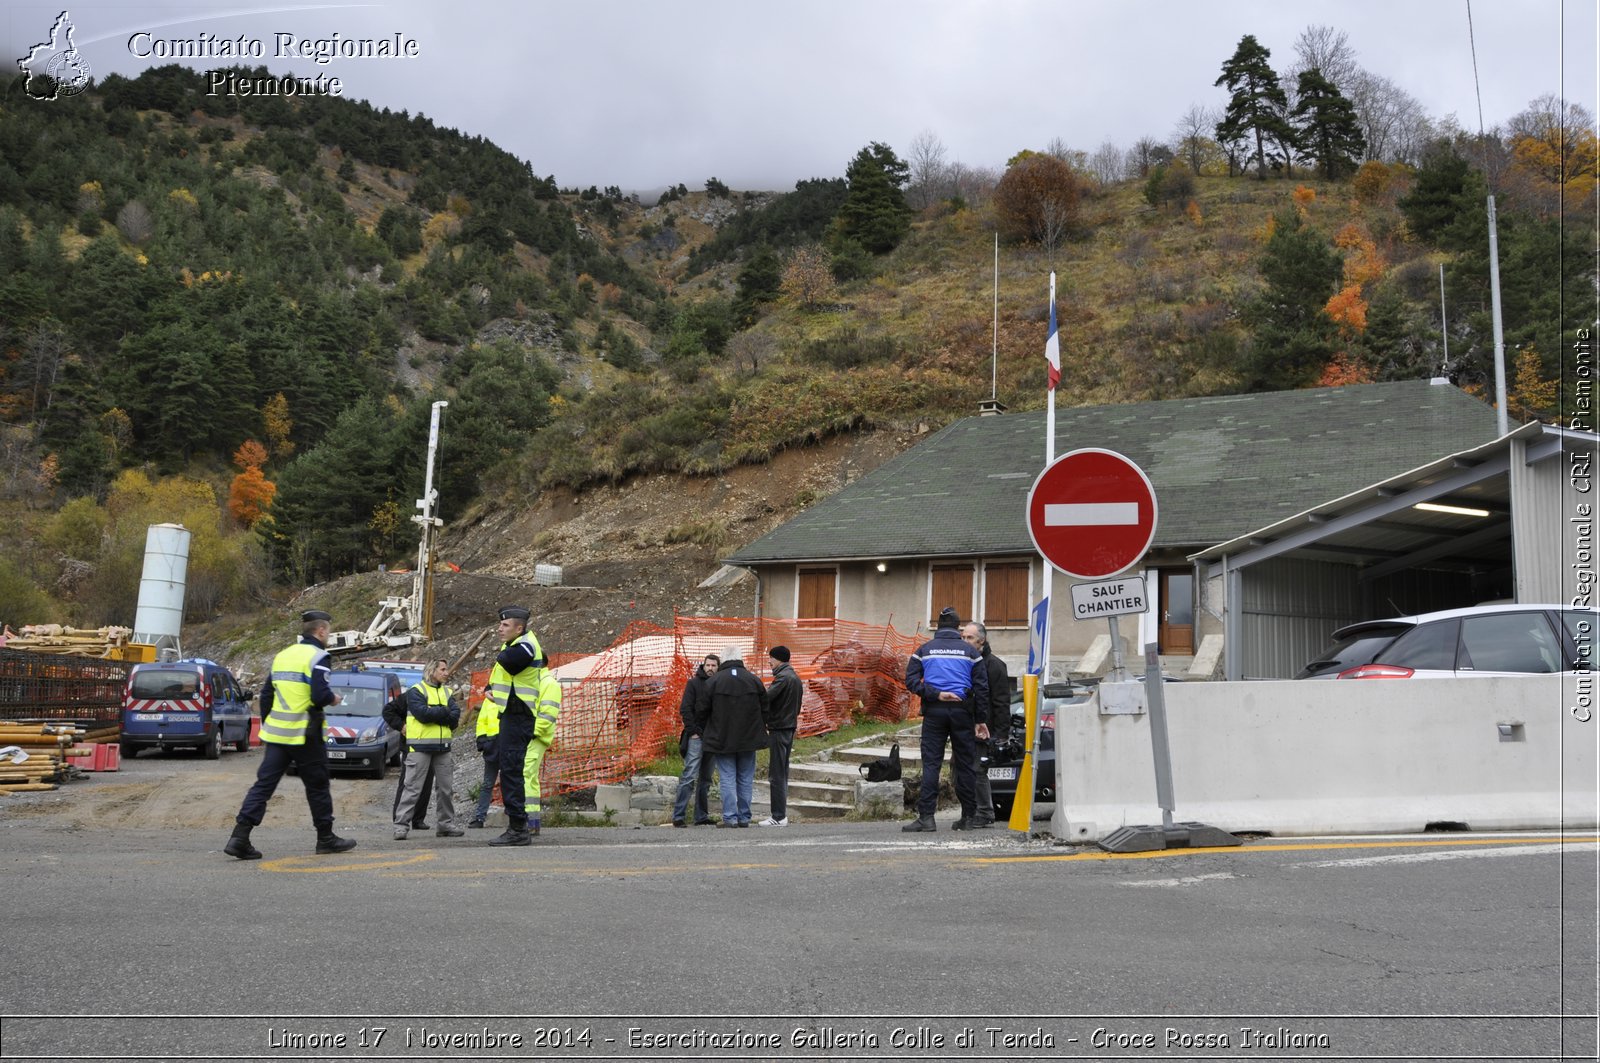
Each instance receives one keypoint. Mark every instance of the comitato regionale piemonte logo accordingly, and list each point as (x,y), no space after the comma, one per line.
(55,68)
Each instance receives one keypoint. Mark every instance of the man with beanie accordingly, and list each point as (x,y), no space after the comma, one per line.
(783,716)
(728,711)
(994,717)
(949,677)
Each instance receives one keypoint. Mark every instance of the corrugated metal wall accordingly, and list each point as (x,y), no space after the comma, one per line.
(1539,526)
(1290,608)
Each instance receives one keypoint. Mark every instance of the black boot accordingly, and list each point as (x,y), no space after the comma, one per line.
(239,845)
(921,823)
(513,835)
(329,842)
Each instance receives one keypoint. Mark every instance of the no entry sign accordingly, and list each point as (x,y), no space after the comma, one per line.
(1092,513)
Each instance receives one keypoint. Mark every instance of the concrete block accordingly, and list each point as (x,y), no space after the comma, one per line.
(880,798)
(618,797)
(1207,663)
(1097,658)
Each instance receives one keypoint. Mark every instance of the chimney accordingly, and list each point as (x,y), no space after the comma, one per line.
(991,408)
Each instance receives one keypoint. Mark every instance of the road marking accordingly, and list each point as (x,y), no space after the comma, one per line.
(1090,514)
(1192,880)
(1289,847)
(1449,854)
(311,865)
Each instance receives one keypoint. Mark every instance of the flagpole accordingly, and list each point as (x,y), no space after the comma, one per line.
(1050,394)
(994,361)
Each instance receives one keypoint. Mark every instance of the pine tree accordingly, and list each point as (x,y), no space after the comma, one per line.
(1294,339)
(875,213)
(1327,125)
(1257,104)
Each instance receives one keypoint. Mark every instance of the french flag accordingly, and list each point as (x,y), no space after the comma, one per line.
(1052,343)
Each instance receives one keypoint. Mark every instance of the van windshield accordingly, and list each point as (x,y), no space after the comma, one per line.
(358,701)
(166,683)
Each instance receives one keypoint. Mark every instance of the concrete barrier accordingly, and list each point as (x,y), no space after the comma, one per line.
(1340,756)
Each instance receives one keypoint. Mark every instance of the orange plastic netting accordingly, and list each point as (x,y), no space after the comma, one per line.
(619,707)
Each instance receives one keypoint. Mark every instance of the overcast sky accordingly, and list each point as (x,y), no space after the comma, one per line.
(644,93)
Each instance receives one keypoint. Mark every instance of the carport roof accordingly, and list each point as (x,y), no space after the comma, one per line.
(1379,525)
(1220,465)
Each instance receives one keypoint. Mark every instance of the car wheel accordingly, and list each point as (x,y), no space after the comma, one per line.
(380,770)
(213,748)
(1002,807)
(129,750)
(243,744)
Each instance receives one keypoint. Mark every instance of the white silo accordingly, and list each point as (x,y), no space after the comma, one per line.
(166,568)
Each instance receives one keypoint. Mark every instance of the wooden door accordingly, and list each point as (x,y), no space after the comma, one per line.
(816,598)
(1176,634)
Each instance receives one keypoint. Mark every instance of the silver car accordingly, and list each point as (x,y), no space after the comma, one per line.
(1481,640)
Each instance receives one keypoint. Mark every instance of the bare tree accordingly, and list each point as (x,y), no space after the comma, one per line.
(1058,148)
(1106,163)
(1145,153)
(929,172)
(807,276)
(135,223)
(1328,50)
(1193,136)
(750,348)
(974,184)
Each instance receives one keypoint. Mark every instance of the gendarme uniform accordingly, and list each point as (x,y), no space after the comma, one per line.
(432,713)
(292,700)
(514,689)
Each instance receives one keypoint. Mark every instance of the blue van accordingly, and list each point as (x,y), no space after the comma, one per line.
(189,704)
(357,737)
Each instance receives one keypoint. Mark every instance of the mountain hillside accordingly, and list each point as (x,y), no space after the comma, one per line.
(239,313)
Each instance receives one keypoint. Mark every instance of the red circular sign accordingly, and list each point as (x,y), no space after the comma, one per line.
(1092,513)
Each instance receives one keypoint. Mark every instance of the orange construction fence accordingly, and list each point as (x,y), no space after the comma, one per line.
(619,707)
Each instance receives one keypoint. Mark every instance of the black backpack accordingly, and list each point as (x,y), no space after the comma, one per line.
(884,769)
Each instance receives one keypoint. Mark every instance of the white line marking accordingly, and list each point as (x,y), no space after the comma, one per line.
(1090,514)
(1170,882)
(1451,854)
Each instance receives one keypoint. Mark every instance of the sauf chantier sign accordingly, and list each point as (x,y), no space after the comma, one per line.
(1092,514)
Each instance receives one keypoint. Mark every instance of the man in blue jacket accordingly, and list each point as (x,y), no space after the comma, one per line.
(949,676)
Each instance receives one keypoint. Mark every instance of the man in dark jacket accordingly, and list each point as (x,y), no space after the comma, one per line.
(949,677)
(696,777)
(394,714)
(432,714)
(994,726)
(729,711)
(783,716)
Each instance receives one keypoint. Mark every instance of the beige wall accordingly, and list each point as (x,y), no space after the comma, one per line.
(898,597)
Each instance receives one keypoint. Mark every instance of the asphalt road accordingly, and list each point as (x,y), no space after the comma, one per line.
(838,941)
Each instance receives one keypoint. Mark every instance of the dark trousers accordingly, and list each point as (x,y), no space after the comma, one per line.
(948,721)
(779,745)
(419,817)
(311,761)
(515,734)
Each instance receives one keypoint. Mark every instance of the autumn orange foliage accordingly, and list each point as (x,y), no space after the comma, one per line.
(1348,310)
(250,496)
(1345,369)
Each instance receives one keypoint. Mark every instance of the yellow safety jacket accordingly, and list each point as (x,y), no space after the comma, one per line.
(546,709)
(502,684)
(291,695)
(429,736)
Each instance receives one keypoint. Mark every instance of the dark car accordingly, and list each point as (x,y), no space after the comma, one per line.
(1006,764)
(357,737)
(189,704)
(1481,640)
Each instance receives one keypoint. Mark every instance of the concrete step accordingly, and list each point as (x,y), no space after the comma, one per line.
(800,810)
(910,754)
(809,790)
(824,772)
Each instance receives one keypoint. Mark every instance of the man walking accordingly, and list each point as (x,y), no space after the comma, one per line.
(949,678)
(514,685)
(783,716)
(728,710)
(994,718)
(432,713)
(292,700)
(696,777)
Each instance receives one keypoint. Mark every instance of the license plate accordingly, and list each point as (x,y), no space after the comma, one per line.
(1006,774)
(335,754)
(149,717)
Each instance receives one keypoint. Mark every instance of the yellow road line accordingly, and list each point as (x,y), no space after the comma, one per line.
(1287,847)
(313,865)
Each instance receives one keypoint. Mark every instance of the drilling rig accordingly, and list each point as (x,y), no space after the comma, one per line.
(404,621)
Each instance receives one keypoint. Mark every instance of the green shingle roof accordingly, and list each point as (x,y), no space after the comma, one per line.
(1221,466)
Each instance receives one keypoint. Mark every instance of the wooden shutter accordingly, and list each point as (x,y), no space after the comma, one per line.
(952,585)
(1005,595)
(816,594)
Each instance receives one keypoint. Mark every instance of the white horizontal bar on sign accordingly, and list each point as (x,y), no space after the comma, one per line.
(1086,514)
